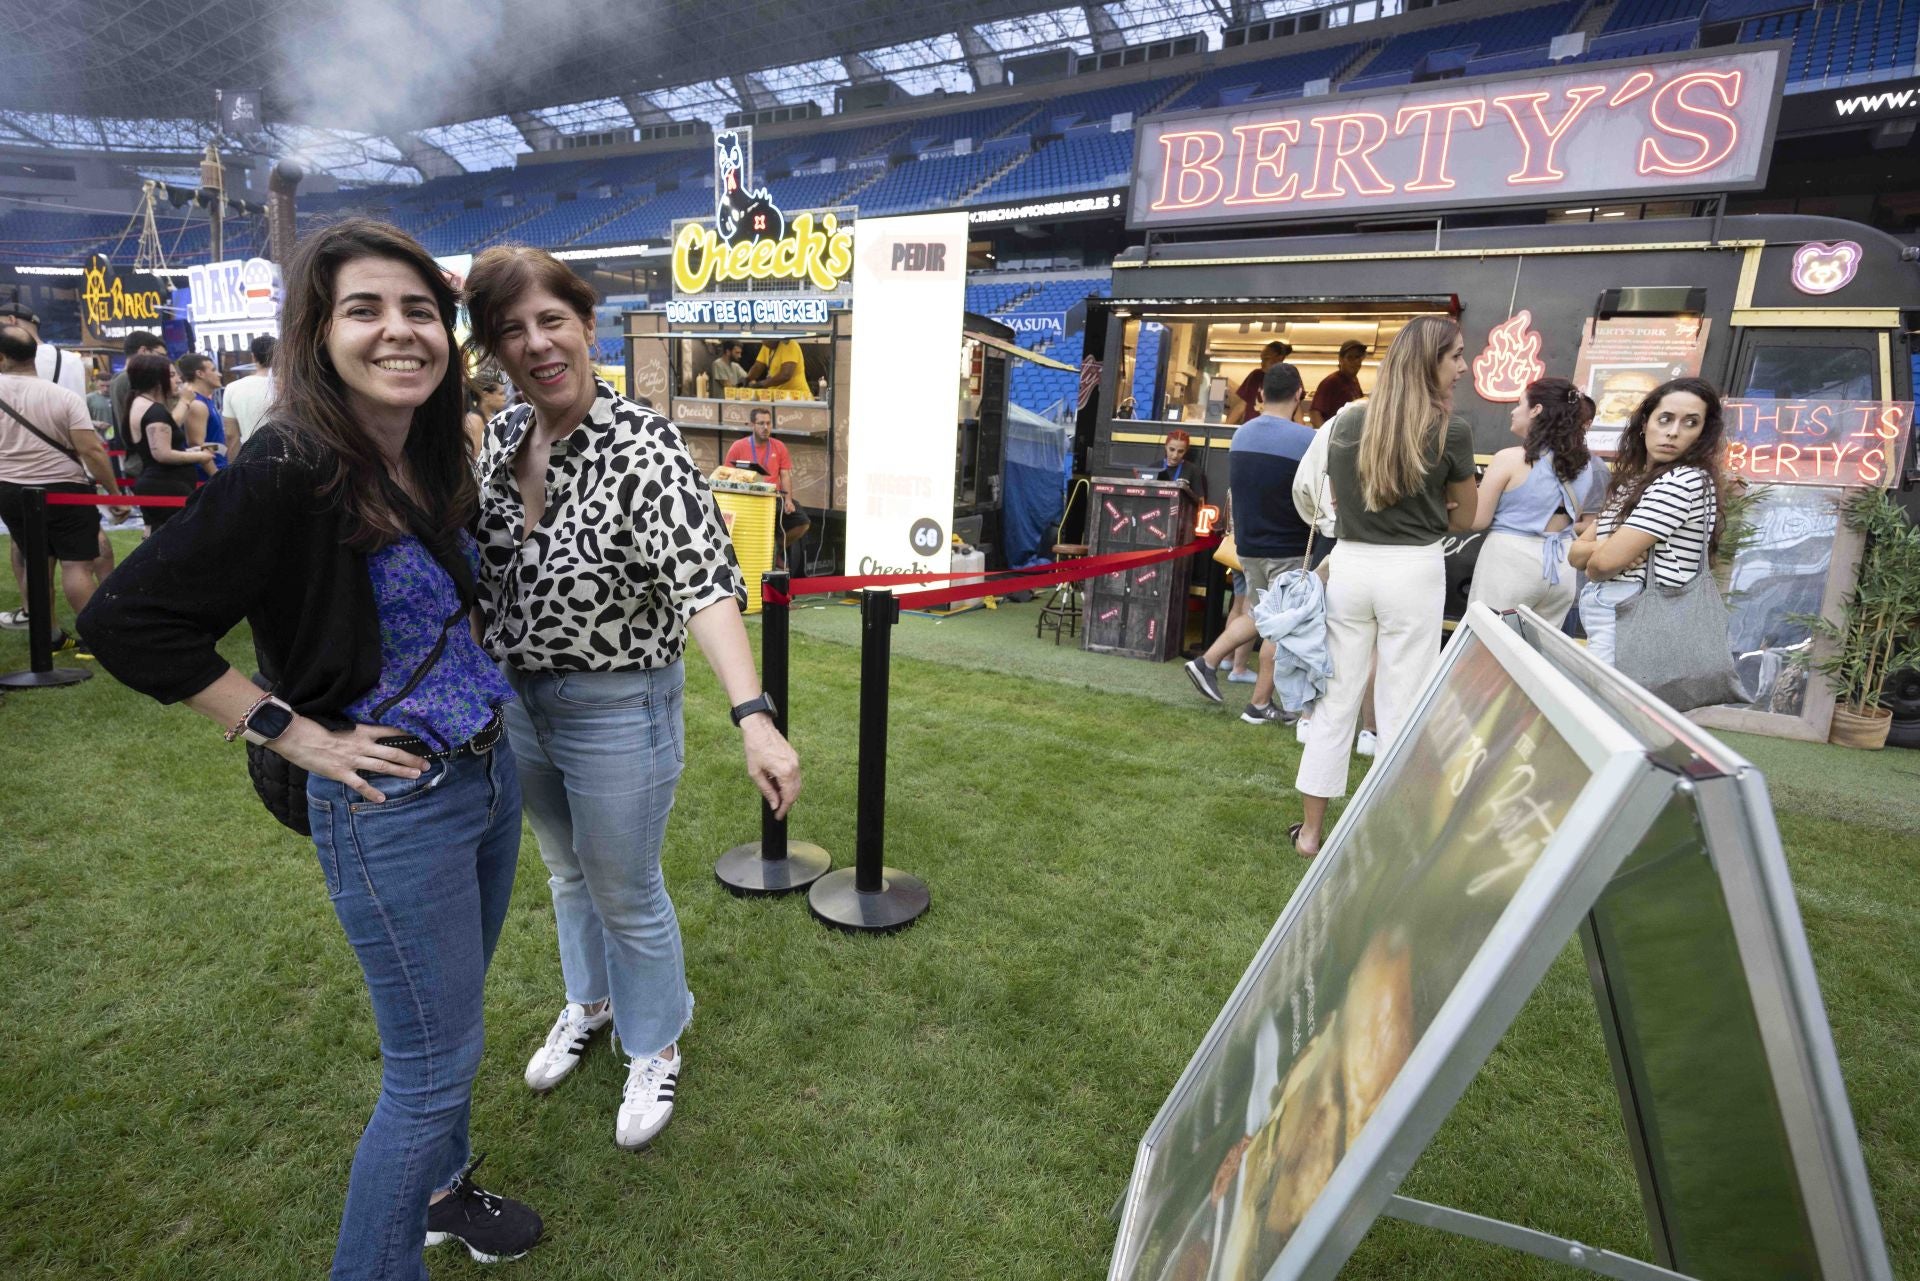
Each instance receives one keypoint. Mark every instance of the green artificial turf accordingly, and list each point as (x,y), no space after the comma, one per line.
(187,1056)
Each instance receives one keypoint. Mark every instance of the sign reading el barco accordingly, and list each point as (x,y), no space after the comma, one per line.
(1697,124)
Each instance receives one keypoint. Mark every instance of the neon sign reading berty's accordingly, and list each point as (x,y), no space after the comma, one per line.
(1701,123)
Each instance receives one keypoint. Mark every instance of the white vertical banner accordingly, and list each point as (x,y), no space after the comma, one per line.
(909,291)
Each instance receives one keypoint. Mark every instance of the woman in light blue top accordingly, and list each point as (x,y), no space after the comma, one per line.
(1532,497)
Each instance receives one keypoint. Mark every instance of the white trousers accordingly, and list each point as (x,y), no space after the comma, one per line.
(1510,572)
(1385,601)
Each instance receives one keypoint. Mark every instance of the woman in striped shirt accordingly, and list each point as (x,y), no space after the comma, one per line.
(1661,522)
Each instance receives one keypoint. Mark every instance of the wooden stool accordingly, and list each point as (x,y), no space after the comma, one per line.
(1062,607)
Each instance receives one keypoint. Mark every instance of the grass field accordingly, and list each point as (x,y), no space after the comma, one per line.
(187,1056)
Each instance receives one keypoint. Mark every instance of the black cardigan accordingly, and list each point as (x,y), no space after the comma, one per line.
(257,542)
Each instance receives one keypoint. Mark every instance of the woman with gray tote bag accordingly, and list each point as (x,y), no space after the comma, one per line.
(1650,606)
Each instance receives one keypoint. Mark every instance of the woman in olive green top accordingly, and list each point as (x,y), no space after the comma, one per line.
(1401,470)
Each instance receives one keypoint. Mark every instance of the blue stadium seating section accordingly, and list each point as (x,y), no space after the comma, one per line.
(1061,144)
(1844,43)
(1632,15)
(928,184)
(1079,163)
(1274,78)
(979,125)
(1034,387)
(1405,55)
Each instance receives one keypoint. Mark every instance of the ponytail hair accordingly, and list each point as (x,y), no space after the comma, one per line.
(1561,427)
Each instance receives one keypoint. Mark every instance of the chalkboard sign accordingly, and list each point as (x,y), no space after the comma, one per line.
(1526,777)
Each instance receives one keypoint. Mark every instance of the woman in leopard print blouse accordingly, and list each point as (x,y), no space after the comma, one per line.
(601,548)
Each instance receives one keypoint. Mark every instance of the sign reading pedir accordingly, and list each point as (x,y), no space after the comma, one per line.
(1697,124)
(1817,442)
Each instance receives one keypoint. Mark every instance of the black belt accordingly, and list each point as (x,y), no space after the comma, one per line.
(479,745)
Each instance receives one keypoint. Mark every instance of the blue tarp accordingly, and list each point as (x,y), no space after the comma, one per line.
(1034,486)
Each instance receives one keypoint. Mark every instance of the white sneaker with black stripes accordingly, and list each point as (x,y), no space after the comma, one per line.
(647,1104)
(566,1045)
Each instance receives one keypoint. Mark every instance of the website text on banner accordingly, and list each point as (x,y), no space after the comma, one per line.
(909,280)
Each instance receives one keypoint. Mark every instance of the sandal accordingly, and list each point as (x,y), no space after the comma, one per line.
(1293,838)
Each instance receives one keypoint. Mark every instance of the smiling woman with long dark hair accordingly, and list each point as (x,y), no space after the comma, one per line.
(340,535)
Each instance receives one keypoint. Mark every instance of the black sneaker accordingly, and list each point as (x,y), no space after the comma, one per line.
(1203,680)
(1265,714)
(492,1228)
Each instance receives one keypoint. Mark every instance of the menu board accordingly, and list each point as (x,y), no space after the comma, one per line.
(1623,359)
(1352,979)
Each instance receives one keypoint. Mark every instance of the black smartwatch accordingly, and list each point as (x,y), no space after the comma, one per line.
(269,719)
(753,707)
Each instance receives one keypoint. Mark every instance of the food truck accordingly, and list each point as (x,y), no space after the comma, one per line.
(781,284)
(1804,323)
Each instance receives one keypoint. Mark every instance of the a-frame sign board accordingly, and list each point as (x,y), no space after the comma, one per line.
(1534,794)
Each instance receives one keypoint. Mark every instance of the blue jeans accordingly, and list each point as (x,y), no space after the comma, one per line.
(420,884)
(1597,603)
(600,755)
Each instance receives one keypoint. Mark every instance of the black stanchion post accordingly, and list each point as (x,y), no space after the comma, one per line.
(773,864)
(871,897)
(32,536)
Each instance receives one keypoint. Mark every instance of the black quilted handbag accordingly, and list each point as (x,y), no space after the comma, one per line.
(281,786)
(278,782)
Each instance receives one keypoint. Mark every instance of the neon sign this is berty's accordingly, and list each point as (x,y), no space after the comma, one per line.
(1697,124)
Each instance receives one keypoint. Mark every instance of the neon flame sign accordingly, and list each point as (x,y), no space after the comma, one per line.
(1510,361)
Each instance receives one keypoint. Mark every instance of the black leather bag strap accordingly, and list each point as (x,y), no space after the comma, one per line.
(20,418)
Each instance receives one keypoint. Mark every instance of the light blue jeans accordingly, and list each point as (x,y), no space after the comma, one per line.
(420,883)
(1597,604)
(600,754)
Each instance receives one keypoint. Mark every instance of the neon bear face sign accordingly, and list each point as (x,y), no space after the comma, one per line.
(1694,124)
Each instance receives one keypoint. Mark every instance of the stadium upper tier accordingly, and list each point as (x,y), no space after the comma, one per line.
(1053,143)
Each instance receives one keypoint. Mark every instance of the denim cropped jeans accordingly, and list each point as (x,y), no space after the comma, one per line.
(600,755)
(420,883)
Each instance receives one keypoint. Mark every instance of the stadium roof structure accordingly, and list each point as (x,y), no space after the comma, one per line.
(365,88)
(467,83)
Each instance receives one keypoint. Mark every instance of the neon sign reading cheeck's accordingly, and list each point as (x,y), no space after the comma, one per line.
(1701,123)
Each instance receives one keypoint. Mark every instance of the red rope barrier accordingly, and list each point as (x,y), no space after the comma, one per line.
(101,500)
(1057,573)
(999,580)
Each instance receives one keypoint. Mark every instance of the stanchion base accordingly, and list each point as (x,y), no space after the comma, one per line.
(745,873)
(898,902)
(45,680)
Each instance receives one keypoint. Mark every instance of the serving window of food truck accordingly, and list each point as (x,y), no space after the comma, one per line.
(1804,323)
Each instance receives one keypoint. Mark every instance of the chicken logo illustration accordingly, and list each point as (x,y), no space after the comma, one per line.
(741,213)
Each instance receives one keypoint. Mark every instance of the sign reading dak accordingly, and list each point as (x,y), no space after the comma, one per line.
(1698,124)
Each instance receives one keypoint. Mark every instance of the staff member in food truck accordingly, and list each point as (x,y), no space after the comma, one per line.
(1249,391)
(1340,386)
(780,367)
(760,451)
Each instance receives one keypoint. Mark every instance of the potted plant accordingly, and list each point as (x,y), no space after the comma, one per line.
(1879,628)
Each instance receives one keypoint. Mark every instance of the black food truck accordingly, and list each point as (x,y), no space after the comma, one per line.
(1806,324)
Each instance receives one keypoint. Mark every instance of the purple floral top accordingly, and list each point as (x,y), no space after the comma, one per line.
(457,698)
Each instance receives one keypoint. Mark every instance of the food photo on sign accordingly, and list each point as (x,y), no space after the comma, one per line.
(1623,359)
(1328,1015)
